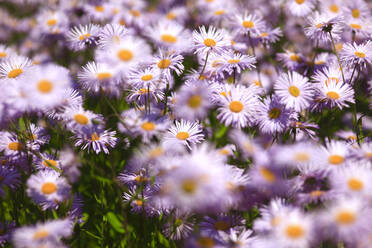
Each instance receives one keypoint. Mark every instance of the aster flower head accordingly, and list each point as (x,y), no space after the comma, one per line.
(185,132)
(270,35)
(235,62)
(14,67)
(9,177)
(111,34)
(352,54)
(212,40)
(300,7)
(96,139)
(167,62)
(79,37)
(294,90)
(245,23)
(333,94)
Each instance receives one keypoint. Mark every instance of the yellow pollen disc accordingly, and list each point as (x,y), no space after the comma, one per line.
(99,8)
(139,202)
(194,101)
(104,75)
(368,155)
(248,24)
(294,57)
(294,231)
(142,91)
(48,188)
(224,152)
(294,91)
(209,42)
(233,61)
(146,77)
(189,186)
(156,152)
(333,95)
(182,135)
(51,22)
(355,26)
(267,175)
(135,13)
(339,46)
(302,157)
(171,16)
(360,54)
(84,36)
(15,146)
(320,62)
(49,162)
(164,63)
(355,13)
(3,54)
(44,86)
(122,22)
(40,234)
(355,184)
(335,159)
(352,137)
(319,25)
(221,225)
(264,34)
(148,126)
(15,73)
(257,82)
(236,106)
(205,242)
(168,38)
(94,137)
(317,193)
(202,77)
(345,217)
(125,55)
(81,119)
(334,8)
(219,12)
(274,113)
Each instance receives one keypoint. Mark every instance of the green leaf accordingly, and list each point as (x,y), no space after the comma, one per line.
(114,222)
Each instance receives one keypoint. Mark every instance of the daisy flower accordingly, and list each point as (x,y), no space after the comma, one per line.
(352,54)
(6,53)
(238,106)
(96,139)
(212,40)
(150,126)
(79,37)
(273,117)
(144,77)
(52,22)
(46,85)
(111,34)
(356,9)
(334,154)
(48,234)
(167,62)
(330,73)
(9,177)
(247,23)
(223,222)
(185,132)
(140,94)
(269,35)
(300,7)
(96,76)
(14,67)
(10,145)
(48,188)
(237,239)
(77,118)
(98,12)
(332,7)
(47,162)
(294,90)
(333,94)
(179,226)
(235,63)
(291,60)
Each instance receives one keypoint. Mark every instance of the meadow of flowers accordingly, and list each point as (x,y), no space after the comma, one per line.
(186,123)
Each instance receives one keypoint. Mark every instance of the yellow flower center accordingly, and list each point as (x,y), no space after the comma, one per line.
(15,146)
(355,13)
(41,234)
(264,34)
(164,63)
(236,106)
(48,188)
(205,242)
(99,8)
(233,61)
(302,157)
(182,135)
(156,152)
(84,36)
(300,1)
(221,225)
(360,54)
(317,193)
(49,163)
(345,217)
(333,95)
(335,159)
(267,175)
(219,12)
(94,137)
(171,16)
(125,55)
(81,119)
(148,126)
(135,13)
(139,202)
(104,75)
(51,22)
(319,25)
(294,57)
(45,86)
(15,73)
(355,25)
(168,38)
(294,231)
(194,101)
(334,8)
(146,77)
(209,42)
(274,113)
(189,186)
(3,54)
(142,91)
(258,83)
(294,91)
(248,24)
(355,184)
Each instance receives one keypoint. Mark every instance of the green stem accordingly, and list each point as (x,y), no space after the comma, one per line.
(338,58)
(205,64)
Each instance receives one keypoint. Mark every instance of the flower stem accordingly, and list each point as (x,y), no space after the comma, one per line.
(338,58)
(205,64)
